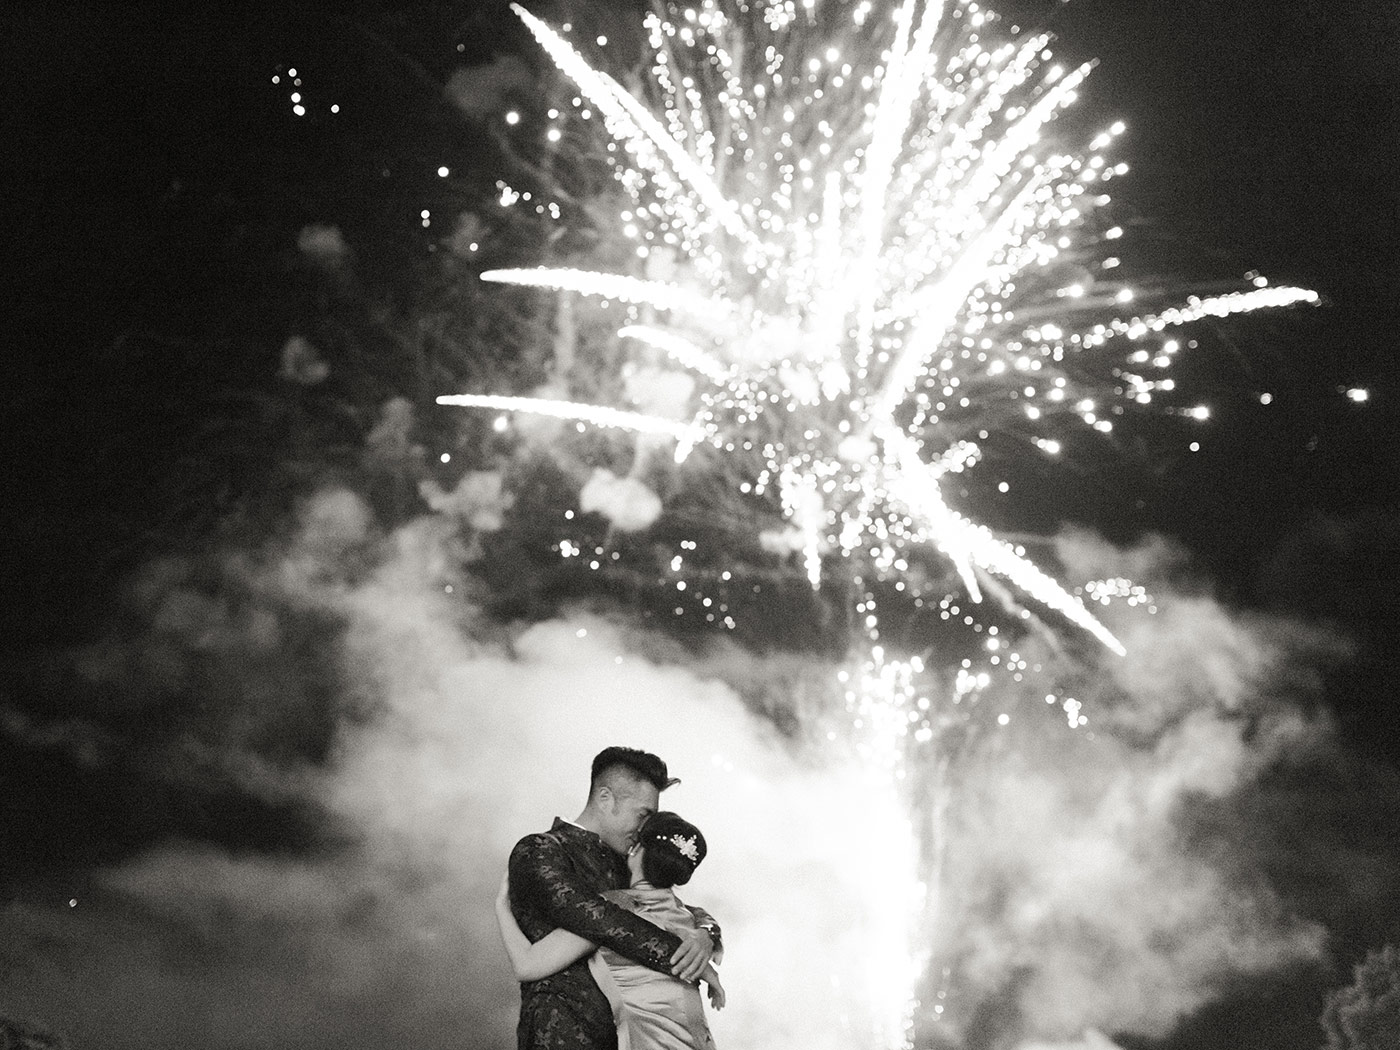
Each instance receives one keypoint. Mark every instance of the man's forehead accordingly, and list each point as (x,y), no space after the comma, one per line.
(646,794)
(643,794)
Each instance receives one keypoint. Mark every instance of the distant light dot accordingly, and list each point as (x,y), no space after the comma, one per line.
(277,80)
(424,213)
(72,902)
(554,134)
(296,96)
(335,108)
(1195,446)
(446,457)
(1003,487)
(1266,399)
(582,632)
(291,72)
(299,110)
(443,172)
(602,41)
(1358,394)
(1003,719)
(1114,233)
(499,424)
(512,117)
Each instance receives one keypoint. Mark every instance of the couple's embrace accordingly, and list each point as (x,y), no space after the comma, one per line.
(606,953)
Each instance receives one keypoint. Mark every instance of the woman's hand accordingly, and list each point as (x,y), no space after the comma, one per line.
(713,988)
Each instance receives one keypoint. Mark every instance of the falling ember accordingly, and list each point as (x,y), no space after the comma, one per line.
(876,257)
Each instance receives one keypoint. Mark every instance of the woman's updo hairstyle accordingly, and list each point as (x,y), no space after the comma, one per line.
(674,849)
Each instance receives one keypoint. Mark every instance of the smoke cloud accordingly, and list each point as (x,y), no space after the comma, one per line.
(476,735)
(1082,892)
(1091,887)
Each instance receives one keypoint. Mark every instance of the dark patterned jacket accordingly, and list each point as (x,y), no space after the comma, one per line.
(555,881)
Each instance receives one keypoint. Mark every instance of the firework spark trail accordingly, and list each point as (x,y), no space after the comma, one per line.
(598,415)
(940,186)
(870,268)
(611,286)
(634,124)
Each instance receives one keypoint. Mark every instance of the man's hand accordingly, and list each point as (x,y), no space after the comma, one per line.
(694,953)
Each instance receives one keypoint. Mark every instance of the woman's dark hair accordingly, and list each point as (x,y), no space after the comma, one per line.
(673,849)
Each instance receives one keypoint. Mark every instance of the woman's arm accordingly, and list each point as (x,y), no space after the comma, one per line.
(550,954)
(711,978)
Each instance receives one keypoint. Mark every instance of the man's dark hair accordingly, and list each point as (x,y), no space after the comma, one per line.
(642,765)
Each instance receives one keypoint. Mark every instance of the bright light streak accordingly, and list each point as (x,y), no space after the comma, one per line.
(598,415)
(611,286)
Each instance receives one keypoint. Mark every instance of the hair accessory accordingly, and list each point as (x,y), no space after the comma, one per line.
(685,846)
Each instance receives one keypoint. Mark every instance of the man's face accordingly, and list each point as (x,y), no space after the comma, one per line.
(628,808)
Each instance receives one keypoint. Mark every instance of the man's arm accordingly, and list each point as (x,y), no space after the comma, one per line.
(541,875)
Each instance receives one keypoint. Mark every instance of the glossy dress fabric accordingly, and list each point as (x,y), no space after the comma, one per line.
(653,1011)
(557,879)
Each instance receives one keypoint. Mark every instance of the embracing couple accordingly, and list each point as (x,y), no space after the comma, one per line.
(606,953)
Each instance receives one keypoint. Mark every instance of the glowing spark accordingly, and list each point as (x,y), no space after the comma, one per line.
(598,415)
(682,351)
(1196,309)
(610,286)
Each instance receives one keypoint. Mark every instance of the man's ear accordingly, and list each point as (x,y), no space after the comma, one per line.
(604,793)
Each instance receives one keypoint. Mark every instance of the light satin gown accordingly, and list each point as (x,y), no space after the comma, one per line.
(653,1011)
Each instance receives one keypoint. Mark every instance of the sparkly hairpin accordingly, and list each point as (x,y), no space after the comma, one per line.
(686,846)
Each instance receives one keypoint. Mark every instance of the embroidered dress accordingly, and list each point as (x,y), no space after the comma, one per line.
(556,880)
(653,1011)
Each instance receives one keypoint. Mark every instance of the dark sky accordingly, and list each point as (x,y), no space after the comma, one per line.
(1261,137)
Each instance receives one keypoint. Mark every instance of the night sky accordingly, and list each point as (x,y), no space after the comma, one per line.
(155,186)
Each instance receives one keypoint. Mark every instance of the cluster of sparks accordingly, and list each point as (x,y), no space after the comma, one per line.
(853,232)
(849,229)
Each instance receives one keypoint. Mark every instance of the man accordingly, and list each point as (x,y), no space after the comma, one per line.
(556,879)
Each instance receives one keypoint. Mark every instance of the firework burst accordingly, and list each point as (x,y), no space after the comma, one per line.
(852,227)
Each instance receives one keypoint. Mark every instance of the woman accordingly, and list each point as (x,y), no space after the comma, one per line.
(653,1010)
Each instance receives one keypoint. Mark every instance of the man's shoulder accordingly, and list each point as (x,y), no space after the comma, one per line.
(541,841)
(537,841)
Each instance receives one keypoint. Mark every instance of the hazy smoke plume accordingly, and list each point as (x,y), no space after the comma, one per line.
(1087,890)
(1079,895)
